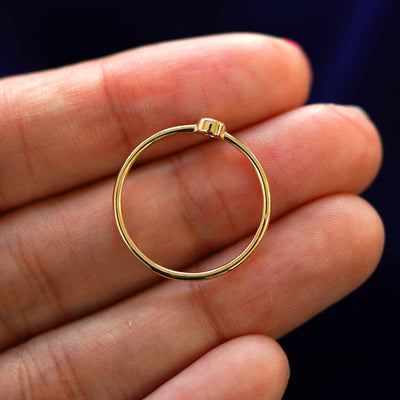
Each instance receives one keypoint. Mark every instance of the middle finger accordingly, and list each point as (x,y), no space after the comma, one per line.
(69,259)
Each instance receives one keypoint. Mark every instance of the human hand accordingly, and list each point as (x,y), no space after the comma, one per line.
(80,317)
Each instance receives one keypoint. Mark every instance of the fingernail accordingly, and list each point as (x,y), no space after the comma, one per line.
(292,42)
(359,110)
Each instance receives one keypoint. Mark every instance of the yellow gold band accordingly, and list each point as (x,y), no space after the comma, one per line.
(215,129)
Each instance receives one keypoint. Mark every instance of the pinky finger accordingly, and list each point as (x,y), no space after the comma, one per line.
(250,367)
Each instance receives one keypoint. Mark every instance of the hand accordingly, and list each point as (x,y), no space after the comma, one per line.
(80,317)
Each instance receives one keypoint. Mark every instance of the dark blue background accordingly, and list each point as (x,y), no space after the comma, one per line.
(350,351)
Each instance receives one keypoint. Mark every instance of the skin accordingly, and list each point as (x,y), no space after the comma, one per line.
(80,317)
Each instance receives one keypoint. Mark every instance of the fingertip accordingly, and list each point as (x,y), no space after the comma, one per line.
(295,68)
(248,367)
(269,363)
(368,137)
(350,142)
(351,221)
(369,237)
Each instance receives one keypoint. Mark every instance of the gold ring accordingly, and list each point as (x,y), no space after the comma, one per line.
(214,129)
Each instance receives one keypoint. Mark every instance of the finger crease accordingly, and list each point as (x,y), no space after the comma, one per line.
(111,107)
(76,390)
(201,307)
(26,152)
(25,380)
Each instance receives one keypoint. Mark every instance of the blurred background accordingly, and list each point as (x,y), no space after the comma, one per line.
(350,351)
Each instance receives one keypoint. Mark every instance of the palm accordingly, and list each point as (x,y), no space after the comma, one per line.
(122,332)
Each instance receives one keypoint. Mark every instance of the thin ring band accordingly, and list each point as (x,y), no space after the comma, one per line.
(214,129)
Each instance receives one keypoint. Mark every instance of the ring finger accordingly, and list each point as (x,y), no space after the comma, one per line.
(128,350)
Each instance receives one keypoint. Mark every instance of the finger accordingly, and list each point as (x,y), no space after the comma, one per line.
(67,127)
(250,367)
(310,259)
(70,260)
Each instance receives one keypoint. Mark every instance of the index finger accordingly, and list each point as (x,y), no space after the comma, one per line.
(64,128)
